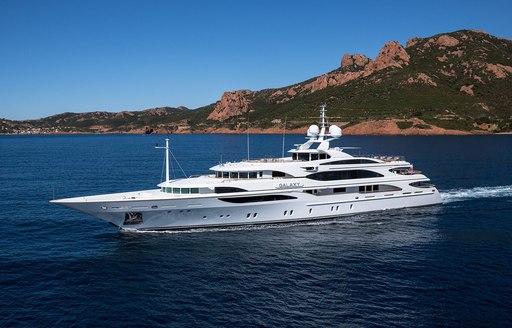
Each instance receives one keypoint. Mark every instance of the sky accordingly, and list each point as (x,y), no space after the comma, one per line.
(88,55)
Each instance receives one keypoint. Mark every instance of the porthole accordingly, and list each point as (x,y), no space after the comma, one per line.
(221,215)
(332,208)
(228,216)
(351,206)
(205,217)
(255,215)
(291,212)
(248,215)
(310,210)
(285,212)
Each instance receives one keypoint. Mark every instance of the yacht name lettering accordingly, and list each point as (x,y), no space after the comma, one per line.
(289,185)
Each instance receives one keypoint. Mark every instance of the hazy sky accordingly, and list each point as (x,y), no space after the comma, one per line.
(58,56)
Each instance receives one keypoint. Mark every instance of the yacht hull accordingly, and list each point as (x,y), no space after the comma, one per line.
(179,214)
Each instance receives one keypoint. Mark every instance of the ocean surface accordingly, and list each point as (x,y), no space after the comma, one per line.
(447,265)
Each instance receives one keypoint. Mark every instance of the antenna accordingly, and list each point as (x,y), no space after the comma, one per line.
(323,123)
(284,132)
(323,117)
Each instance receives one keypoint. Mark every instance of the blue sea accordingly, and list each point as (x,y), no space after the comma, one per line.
(448,265)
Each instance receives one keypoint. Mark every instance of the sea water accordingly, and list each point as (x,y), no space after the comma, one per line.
(441,265)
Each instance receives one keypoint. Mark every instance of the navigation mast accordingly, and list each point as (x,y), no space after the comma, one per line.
(166,158)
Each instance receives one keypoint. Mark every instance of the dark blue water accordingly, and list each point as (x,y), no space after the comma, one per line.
(448,265)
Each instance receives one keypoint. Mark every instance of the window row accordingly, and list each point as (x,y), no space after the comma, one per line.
(180,190)
(309,156)
(238,175)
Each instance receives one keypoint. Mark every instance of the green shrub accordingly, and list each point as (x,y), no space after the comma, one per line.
(402,125)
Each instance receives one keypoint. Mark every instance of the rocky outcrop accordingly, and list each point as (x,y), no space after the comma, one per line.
(356,66)
(356,62)
(499,71)
(231,104)
(412,42)
(331,79)
(421,78)
(446,41)
(391,55)
(468,89)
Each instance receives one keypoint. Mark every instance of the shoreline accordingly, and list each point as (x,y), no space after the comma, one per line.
(451,133)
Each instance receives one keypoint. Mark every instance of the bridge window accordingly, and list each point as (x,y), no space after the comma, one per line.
(323,156)
(303,156)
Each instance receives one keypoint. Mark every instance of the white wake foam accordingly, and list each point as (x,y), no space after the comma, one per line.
(458,195)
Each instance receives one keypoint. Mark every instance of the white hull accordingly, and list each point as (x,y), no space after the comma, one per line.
(172,214)
(316,182)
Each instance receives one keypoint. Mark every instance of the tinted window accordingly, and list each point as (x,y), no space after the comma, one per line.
(343,175)
(351,161)
(254,199)
(222,190)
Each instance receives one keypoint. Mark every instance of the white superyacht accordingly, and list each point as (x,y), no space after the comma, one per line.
(316,182)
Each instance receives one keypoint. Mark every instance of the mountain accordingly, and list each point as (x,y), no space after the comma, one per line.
(146,121)
(458,82)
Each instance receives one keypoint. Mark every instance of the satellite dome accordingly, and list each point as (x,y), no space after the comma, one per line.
(335,131)
(313,131)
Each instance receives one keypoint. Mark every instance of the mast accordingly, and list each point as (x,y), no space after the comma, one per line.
(166,158)
(323,122)
(323,117)
(284,132)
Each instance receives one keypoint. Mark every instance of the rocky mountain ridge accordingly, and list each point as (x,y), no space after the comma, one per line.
(458,82)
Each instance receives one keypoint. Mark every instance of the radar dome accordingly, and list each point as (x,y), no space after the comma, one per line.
(335,131)
(313,131)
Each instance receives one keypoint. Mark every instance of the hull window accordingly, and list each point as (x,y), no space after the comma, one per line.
(421,184)
(222,190)
(132,218)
